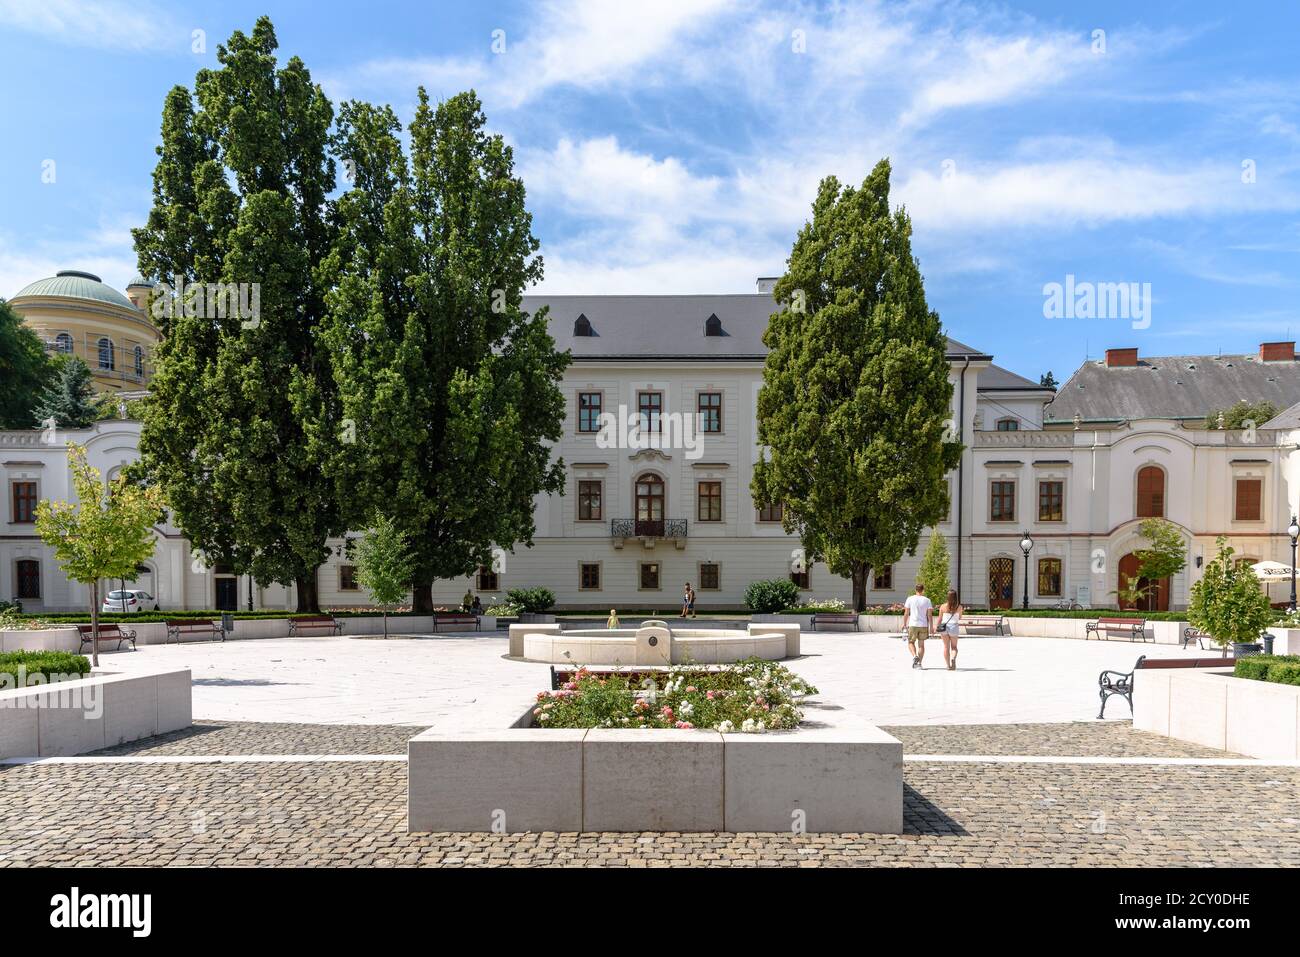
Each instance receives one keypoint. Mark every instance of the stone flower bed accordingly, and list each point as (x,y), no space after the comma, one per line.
(751,696)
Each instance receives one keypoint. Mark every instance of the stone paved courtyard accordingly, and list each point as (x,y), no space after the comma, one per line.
(300,811)
(297,757)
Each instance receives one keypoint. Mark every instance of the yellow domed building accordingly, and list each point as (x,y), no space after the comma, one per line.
(76,313)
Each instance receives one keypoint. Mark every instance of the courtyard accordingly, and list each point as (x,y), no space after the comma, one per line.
(298,750)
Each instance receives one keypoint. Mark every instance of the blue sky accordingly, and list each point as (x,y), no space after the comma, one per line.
(676,146)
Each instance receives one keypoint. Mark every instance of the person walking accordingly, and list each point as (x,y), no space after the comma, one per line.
(949,624)
(688,601)
(917,611)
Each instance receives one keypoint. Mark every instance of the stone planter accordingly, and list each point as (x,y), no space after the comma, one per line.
(42,639)
(1286,641)
(1211,707)
(103,710)
(842,775)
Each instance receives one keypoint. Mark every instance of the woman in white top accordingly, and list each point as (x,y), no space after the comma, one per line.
(948,622)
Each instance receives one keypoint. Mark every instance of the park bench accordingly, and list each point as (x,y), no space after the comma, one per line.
(299,622)
(997,623)
(1191,634)
(1121,683)
(107,632)
(177,627)
(457,619)
(1134,628)
(835,618)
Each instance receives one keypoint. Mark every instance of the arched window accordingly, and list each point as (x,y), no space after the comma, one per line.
(139,362)
(650,505)
(63,342)
(106,353)
(1151,492)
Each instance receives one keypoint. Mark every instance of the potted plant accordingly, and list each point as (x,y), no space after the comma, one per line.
(534,603)
(1227,604)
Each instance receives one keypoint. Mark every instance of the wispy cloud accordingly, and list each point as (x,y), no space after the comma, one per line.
(106,24)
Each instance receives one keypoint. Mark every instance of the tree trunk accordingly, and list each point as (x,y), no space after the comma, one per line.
(94,623)
(422,598)
(385,623)
(860,570)
(308,597)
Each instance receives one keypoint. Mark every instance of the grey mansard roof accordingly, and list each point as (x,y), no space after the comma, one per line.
(662,328)
(1173,387)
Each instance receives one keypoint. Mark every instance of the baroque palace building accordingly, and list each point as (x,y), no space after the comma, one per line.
(1078,470)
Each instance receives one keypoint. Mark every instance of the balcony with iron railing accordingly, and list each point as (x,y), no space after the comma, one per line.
(648,530)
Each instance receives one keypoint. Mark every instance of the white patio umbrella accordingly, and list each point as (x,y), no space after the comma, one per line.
(1271,572)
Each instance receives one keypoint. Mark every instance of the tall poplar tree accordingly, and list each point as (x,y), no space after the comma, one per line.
(240,198)
(448,391)
(854,411)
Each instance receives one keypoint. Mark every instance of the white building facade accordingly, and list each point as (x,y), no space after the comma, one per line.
(637,523)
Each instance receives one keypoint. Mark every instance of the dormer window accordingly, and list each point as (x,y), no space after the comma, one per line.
(582,326)
(713,326)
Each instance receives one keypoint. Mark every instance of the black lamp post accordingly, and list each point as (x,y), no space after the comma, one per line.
(1294,531)
(1026,543)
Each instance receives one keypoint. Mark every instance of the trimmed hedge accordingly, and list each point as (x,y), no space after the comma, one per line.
(45,663)
(71,618)
(1282,669)
(535,601)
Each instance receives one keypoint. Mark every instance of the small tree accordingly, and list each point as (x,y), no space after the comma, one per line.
(1166,556)
(70,398)
(107,534)
(933,573)
(1131,591)
(384,564)
(1227,603)
(1242,415)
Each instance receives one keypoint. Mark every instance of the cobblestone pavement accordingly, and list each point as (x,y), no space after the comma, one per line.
(1104,738)
(301,813)
(1115,739)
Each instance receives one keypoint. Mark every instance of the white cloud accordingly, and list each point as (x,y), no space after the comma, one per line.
(105,251)
(107,24)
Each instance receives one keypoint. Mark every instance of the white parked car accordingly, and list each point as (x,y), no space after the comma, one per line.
(129,601)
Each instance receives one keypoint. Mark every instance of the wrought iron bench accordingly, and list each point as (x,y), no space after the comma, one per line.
(329,622)
(997,623)
(177,627)
(455,618)
(835,618)
(107,632)
(1134,628)
(1111,682)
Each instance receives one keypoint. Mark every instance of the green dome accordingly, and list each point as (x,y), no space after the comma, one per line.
(72,284)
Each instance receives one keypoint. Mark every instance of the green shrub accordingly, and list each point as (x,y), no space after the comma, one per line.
(1288,674)
(1268,668)
(770,596)
(532,600)
(45,663)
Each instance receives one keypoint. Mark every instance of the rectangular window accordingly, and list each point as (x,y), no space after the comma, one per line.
(710,576)
(488,580)
(347,578)
(1008,425)
(24,501)
(589,491)
(1049,577)
(710,409)
(650,407)
(771,513)
(29,579)
(801,579)
(649,576)
(883,578)
(589,576)
(1249,506)
(589,404)
(1002,501)
(1051,501)
(709,502)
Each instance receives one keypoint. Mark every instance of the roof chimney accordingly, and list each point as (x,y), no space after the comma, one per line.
(1121,357)
(767,283)
(1277,351)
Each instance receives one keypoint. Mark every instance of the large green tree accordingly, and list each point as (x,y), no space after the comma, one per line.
(69,400)
(854,412)
(448,390)
(240,197)
(24,370)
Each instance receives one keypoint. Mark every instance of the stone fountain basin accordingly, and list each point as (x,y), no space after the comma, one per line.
(653,644)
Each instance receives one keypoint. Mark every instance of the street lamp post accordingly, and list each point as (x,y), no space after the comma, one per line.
(1294,531)
(1026,543)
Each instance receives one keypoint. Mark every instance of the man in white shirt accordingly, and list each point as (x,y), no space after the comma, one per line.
(916,622)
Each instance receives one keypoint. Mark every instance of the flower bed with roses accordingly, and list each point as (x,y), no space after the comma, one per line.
(751,696)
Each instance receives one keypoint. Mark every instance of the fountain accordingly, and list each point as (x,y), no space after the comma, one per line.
(653,643)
